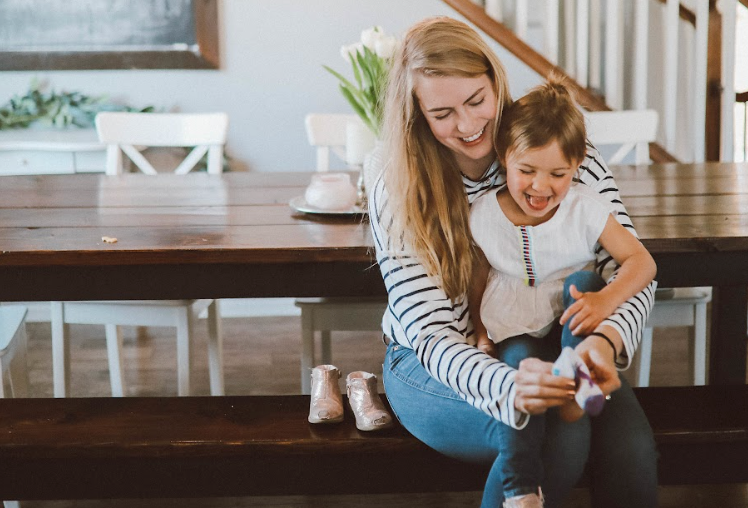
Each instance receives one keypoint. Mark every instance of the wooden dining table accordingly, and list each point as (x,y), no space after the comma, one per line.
(235,235)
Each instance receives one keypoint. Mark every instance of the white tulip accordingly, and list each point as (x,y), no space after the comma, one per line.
(385,46)
(370,36)
(349,51)
(345,52)
(355,48)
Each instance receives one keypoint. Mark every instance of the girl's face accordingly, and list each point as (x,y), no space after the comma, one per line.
(461,114)
(538,180)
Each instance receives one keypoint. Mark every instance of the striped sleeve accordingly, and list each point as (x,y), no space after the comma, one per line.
(629,319)
(421,317)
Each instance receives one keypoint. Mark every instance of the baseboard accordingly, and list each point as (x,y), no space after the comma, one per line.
(230,308)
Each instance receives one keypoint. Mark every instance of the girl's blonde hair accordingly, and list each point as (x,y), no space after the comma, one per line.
(428,203)
(547,113)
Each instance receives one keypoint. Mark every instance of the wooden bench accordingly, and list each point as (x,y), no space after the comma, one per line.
(99,448)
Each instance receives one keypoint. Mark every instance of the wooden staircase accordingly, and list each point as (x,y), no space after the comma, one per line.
(694,101)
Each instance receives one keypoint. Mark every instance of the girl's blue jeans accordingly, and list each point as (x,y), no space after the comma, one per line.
(618,444)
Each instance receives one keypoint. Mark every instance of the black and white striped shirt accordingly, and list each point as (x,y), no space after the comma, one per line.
(421,317)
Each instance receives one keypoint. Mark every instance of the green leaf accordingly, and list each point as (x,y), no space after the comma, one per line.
(340,77)
(357,107)
(367,75)
(356,71)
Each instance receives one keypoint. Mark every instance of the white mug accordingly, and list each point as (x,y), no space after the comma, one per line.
(331,191)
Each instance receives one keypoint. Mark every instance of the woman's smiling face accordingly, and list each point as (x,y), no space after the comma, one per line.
(461,114)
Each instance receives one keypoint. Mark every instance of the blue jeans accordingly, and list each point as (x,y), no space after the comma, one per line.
(617,444)
(521,458)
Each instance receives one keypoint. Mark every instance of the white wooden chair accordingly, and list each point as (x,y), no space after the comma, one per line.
(634,130)
(122,132)
(13,351)
(13,367)
(327,132)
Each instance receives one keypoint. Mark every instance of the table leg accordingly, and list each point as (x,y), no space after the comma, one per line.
(727,359)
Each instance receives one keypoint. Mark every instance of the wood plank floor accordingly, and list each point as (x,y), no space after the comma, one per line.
(261,357)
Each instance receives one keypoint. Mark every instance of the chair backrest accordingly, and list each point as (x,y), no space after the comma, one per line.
(122,132)
(631,129)
(327,132)
(11,320)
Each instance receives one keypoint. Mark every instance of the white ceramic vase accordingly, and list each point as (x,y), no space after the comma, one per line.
(359,140)
(373,166)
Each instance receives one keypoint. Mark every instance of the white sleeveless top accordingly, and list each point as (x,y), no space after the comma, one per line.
(529,263)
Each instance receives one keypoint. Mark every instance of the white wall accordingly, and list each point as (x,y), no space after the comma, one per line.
(271,73)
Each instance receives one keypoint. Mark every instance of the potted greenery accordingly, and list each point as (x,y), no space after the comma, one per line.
(39,108)
(370,59)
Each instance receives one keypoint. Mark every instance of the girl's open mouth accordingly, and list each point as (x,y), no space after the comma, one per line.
(537,203)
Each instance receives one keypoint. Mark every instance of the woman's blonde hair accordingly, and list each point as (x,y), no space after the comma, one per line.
(547,113)
(428,203)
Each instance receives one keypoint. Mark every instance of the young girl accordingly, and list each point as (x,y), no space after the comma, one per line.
(537,238)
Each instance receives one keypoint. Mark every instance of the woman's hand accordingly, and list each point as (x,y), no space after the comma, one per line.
(537,389)
(599,357)
(587,312)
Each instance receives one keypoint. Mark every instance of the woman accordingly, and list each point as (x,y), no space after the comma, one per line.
(444,101)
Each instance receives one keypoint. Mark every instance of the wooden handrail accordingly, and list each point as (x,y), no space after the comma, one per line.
(537,62)
(685,13)
(742,96)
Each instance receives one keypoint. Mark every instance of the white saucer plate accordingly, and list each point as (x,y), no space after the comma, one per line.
(300,205)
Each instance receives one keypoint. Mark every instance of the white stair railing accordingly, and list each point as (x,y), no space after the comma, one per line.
(638,54)
(728,10)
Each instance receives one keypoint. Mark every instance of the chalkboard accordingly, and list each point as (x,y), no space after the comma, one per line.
(108,34)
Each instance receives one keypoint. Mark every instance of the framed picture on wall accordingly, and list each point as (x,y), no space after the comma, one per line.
(108,34)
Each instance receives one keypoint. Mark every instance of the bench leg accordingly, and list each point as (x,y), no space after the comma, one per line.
(185,350)
(307,350)
(699,345)
(114,353)
(645,358)
(19,371)
(60,351)
(215,350)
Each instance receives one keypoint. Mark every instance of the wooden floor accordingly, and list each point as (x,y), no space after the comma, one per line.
(261,357)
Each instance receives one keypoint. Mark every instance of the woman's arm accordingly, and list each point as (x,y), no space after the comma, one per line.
(624,327)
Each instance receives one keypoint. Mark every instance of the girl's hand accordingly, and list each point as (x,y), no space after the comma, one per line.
(537,389)
(597,354)
(587,312)
(486,345)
